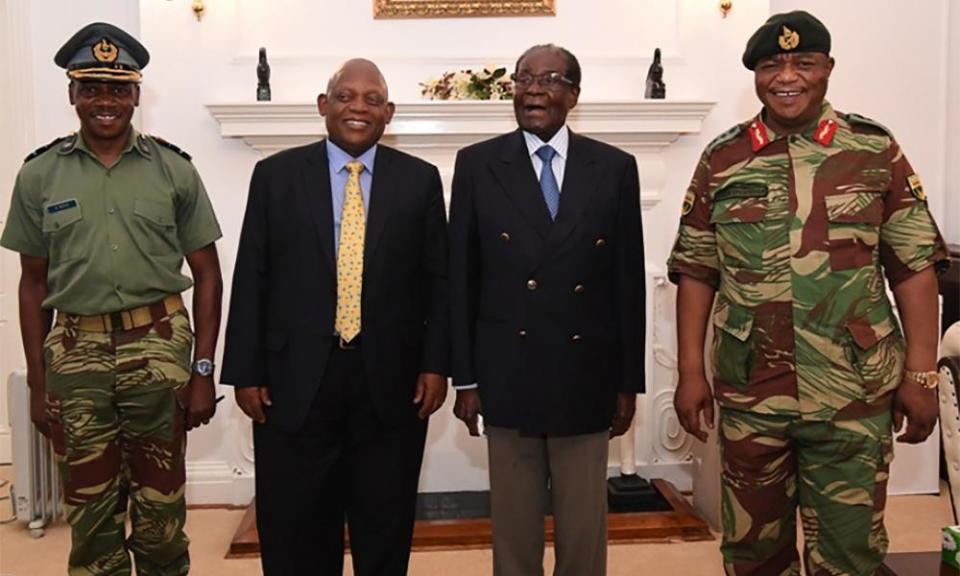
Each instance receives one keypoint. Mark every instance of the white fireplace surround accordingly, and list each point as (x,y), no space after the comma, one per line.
(434,131)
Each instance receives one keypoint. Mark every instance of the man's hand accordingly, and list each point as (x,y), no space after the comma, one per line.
(252,400)
(39,414)
(467,408)
(626,406)
(431,392)
(201,403)
(921,409)
(692,397)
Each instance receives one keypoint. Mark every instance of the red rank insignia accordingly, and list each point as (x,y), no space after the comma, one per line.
(758,136)
(825,131)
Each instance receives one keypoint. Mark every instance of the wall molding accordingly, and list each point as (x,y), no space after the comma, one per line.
(435,130)
(217,482)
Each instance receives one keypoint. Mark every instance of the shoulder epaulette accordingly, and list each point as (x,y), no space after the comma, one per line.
(864,121)
(45,147)
(173,147)
(725,138)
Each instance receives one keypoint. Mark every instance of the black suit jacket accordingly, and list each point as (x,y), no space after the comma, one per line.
(284,297)
(547,316)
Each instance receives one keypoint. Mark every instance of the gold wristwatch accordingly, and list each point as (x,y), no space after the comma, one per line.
(929,380)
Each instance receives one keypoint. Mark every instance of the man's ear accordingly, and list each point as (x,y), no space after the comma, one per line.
(322,104)
(391,108)
(70,86)
(136,95)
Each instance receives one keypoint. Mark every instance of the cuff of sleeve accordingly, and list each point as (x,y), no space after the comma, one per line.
(473,386)
(193,244)
(940,263)
(704,274)
(25,248)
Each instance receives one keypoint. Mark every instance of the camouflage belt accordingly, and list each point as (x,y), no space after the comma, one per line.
(124,319)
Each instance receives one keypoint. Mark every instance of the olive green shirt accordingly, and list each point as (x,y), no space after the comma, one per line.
(114,238)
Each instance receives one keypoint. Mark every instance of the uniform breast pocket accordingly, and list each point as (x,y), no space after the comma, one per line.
(157,224)
(60,224)
(853,228)
(738,215)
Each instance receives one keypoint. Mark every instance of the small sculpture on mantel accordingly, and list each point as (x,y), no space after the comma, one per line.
(656,88)
(263,77)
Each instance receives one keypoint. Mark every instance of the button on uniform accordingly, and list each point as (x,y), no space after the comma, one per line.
(505,236)
(601,242)
(531,284)
(576,338)
(579,288)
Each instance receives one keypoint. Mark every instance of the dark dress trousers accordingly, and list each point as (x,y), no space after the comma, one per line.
(547,316)
(342,438)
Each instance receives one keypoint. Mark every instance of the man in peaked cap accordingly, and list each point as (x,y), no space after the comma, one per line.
(103,221)
(789,221)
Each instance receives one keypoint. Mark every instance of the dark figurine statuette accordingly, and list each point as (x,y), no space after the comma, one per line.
(263,77)
(656,88)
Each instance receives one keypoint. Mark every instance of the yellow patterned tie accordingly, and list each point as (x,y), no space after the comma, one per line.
(350,256)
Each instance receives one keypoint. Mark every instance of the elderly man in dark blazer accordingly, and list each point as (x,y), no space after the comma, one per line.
(547,307)
(337,340)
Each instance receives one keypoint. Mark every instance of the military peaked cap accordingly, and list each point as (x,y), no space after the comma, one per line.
(785,33)
(101,51)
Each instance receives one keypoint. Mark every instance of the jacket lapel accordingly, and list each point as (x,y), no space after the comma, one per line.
(580,180)
(382,195)
(316,191)
(519,181)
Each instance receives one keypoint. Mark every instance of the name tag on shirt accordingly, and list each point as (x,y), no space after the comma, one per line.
(61,206)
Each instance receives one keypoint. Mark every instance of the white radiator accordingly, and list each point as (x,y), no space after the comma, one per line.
(36,493)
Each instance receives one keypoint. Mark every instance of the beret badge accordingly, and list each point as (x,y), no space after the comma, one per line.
(105,51)
(789,39)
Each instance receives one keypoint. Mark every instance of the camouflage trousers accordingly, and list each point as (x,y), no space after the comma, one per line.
(835,471)
(119,436)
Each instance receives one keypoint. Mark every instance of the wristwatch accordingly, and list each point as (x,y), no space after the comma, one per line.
(203,367)
(928,380)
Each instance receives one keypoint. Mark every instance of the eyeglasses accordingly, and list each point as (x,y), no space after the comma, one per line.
(548,80)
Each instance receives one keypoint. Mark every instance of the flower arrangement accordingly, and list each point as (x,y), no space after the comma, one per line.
(487,84)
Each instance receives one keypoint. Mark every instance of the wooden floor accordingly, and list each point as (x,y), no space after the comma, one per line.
(681,523)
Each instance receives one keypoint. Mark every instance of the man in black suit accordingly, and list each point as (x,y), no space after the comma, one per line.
(547,308)
(337,339)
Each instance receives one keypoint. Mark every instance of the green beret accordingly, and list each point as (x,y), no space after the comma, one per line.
(101,51)
(796,31)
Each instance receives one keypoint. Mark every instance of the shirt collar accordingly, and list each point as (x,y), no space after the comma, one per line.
(135,141)
(820,130)
(338,157)
(560,142)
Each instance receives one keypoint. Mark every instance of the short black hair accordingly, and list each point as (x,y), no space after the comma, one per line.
(573,65)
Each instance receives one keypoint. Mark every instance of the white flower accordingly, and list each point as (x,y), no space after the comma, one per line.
(948,542)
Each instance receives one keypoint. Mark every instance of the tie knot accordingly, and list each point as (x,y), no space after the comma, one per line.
(546,153)
(355,167)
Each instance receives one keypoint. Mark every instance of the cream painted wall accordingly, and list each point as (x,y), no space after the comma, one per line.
(212,61)
(951,189)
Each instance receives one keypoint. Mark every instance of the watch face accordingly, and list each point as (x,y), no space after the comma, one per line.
(203,367)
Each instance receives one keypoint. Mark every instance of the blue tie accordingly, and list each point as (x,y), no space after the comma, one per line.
(548,182)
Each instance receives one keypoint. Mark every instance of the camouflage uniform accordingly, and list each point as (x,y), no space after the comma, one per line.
(115,239)
(793,232)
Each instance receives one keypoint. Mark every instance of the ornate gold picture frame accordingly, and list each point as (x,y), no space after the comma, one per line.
(461,8)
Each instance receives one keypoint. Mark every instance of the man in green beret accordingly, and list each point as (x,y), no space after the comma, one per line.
(103,220)
(792,221)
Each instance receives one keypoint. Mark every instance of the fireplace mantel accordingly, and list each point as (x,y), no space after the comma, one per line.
(435,130)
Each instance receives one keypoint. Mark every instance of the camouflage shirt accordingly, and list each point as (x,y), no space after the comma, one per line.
(793,231)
